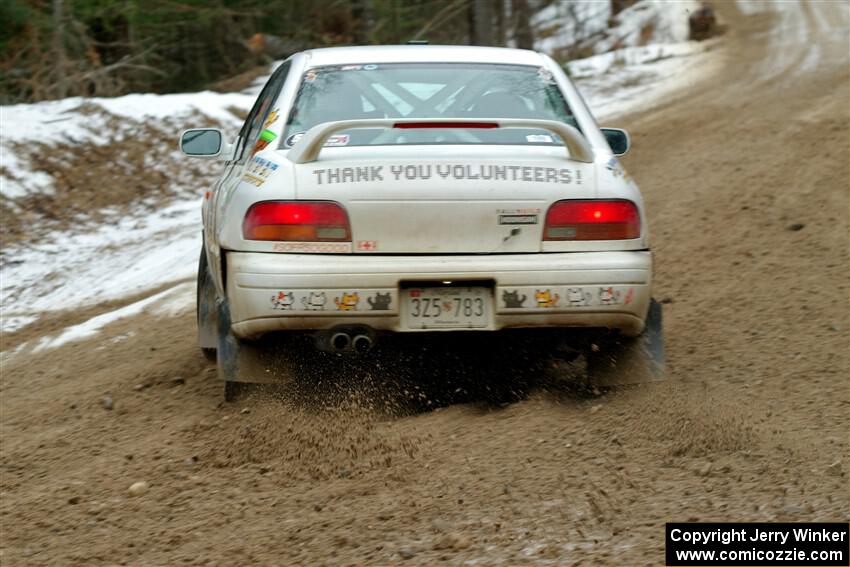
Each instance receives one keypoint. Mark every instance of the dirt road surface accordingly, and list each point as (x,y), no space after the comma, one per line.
(746,178)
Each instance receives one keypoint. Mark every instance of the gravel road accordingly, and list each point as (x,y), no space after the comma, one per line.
(746,178)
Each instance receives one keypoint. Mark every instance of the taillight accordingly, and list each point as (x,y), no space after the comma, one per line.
(592,220)
(299,221)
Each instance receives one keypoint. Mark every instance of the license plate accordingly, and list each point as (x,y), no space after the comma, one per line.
(447,307)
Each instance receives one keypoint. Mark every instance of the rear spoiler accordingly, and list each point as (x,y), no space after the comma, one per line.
(308,147)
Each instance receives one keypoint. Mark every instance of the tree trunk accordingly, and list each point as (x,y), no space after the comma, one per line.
(363,14)
(481,24)
(499,8)
(60,61)
(523,36)
(618,6)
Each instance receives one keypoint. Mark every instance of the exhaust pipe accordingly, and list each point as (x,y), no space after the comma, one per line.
(340,341)
(345,339)
(362,344)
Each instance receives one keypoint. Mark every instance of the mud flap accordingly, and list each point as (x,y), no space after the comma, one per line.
(630,360)
(245,361)
(206,307)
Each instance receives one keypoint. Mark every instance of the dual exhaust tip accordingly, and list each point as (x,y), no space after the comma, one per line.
(342,342)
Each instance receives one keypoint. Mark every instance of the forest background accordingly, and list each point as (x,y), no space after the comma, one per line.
(52,49)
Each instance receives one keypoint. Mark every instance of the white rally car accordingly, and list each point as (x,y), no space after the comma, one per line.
(422,189)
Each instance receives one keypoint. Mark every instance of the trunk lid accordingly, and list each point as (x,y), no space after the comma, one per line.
(453,199)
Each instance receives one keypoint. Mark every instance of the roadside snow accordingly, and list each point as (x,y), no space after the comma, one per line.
(63,119)
(635,79)
(16,322)
(169,298)
(113,262)
(68,270)
(584,24)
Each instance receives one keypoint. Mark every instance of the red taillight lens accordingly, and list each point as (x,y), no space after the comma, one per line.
(301,221)
(592,220)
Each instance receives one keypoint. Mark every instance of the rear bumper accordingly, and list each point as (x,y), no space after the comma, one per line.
(271,292)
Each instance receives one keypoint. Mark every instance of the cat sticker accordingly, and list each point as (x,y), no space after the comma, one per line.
(577,297)
(609,296)
(315,301)
(381,301)
(512,299)
(546,299)
(283,301)
(348,303)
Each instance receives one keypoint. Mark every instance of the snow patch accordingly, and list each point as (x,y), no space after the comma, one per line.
(16,322)
(590,25)
(65,119)
(95,324)
(630,57)
(635,79)
(112,262)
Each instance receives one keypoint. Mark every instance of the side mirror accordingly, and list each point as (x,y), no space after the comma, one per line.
(618,139)
(202,142)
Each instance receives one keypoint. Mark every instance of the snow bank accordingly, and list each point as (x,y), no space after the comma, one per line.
(113,262)
(80,120)
(161,302)
(58,119)
(589,26)
(641,54)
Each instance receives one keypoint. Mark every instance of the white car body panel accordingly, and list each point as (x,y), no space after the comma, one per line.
(614,288)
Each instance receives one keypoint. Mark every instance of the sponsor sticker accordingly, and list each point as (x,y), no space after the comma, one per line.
(545,74)
(258,170)
(517,219)
(367,245)
(293,139)
(266,137)
(312,247)
(332,141)
(272,118)
(337,140)
(253,179)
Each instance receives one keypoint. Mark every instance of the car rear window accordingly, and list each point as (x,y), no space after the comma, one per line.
(428,90)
